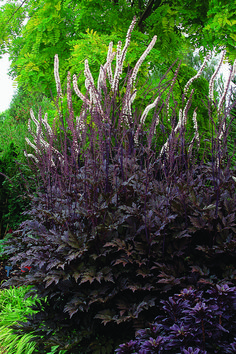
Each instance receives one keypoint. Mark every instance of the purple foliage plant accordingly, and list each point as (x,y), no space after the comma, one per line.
(127,214)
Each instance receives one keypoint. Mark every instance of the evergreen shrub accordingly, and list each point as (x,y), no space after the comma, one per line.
(125,215)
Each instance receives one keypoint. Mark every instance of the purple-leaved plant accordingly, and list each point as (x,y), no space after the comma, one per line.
(196,324)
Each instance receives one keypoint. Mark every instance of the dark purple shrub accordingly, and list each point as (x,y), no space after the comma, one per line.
(191,322)
(121,222)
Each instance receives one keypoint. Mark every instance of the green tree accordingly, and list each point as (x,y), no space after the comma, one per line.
(76,30)
(79,30)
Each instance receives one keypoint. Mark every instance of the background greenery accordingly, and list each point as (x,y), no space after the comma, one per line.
(77,30)
(13,174)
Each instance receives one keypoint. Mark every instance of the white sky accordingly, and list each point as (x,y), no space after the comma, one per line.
(6,84)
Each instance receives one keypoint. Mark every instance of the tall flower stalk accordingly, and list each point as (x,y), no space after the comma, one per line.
(93,102)
(96,109)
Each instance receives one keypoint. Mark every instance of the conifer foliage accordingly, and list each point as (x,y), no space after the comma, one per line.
(125,214)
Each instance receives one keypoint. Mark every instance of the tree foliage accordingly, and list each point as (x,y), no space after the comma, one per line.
(76,30)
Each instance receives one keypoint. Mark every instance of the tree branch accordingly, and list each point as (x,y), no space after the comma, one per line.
(18,8)
(147,11)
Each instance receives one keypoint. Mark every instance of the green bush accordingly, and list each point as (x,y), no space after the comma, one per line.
(14,173)
(23,101)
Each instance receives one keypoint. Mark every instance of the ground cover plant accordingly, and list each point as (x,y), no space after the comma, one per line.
(13,309)
(127,211)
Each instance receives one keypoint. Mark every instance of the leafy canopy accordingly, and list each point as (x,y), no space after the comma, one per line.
(79,30)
